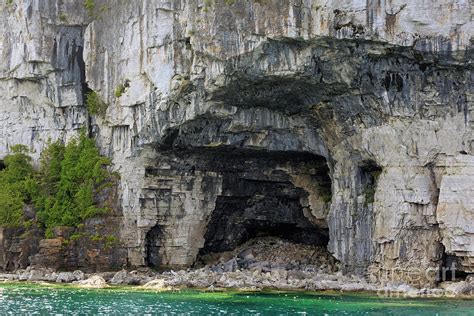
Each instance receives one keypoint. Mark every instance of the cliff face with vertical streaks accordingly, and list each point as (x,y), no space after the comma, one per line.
(339,123)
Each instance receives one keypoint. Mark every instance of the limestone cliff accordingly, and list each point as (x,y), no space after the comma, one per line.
(352,118)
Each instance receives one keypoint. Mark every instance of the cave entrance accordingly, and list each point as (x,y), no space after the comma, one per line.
(153,240)
(260,199)
(451,269)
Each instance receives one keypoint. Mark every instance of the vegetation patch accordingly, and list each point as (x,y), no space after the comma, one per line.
(119,90)
(92,9)
(108,240)
(90,6)
(16,186)
(94,104)
(63,18)
(64,189)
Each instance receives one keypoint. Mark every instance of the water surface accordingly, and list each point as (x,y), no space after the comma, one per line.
(27,299)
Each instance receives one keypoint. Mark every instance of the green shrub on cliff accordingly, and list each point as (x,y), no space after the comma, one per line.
(16,186)
(11,208)
(94,104)
(64,188)
(119,90)
(89,5)
(70,177)
(49,173)
(18,166)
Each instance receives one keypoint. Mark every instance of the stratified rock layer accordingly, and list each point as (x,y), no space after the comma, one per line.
(380,91)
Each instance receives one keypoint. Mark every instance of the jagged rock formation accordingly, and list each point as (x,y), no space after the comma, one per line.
(380,91)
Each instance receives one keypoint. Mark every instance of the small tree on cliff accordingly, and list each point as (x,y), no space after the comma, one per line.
(63,190)
(70,178)
(17,185)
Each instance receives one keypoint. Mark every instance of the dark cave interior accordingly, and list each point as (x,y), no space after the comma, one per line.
(259,199)
(153,237)
(451,269)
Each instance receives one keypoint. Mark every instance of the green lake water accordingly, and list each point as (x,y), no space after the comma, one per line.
(25,299)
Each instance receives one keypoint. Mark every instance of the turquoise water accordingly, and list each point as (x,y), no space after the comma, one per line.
(22,299)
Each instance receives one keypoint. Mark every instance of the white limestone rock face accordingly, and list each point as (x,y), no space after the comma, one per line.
(381,89)
(41,73)
(455,211)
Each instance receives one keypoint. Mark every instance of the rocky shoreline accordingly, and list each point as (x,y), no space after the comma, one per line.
(259,264)
(245,280)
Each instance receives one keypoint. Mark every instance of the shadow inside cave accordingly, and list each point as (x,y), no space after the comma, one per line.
(263,194)
(260,199)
